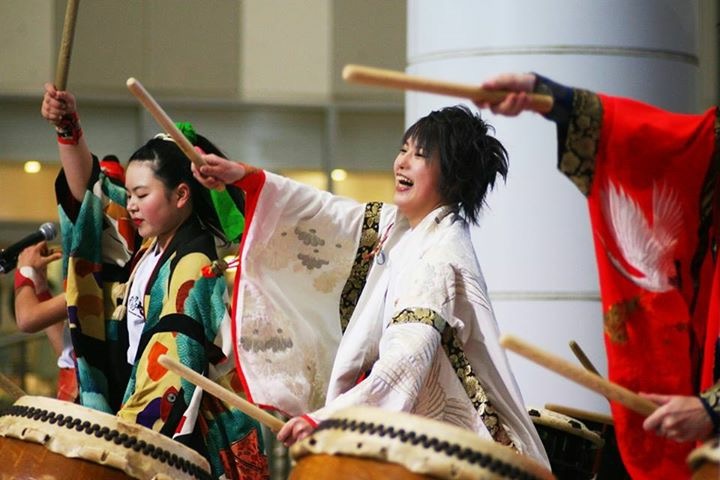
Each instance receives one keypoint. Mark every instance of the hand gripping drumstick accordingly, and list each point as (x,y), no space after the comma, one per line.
(392,79)
(579,375)
(164,120)
(63,61)
(582,358)
(222,393)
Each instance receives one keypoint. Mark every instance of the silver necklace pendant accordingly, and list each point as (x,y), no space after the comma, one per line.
(380,258)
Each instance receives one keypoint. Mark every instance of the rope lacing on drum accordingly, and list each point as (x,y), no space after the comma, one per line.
(127,441)
(484,460)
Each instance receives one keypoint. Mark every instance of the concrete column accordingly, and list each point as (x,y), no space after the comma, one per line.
(534,240)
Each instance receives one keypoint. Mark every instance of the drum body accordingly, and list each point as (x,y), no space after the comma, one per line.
(705,461)
(573,449)
(371,444)
(611,466)
(48,438)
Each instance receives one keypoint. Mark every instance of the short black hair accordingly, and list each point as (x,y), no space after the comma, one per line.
(470,158)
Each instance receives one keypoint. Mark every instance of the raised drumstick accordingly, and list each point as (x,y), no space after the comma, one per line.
(612,391)
(222,393)
(393,79)
(65,50)
(164,120)
(582,358)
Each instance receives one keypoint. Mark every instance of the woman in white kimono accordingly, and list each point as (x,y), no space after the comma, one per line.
(339,303)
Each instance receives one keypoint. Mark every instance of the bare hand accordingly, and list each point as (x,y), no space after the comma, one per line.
(294,430)
(219,171)
(37,256)
(56,104)
(519,83)
(679,418)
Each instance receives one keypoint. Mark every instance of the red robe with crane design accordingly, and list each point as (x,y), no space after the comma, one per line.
(651,182)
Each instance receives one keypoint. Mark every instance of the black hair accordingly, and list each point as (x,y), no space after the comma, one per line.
(172,167)
(470,158)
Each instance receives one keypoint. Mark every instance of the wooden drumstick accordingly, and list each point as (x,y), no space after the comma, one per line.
(393,79)
(612,391)
(582,358)
(65,50)
(580,414)
(10,388)
(222,393)
(164,120)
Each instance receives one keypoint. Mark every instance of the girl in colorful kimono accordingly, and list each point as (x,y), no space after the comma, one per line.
(134,257)
(339,303)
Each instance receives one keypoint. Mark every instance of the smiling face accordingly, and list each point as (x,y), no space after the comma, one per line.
(155,210)
(417,182)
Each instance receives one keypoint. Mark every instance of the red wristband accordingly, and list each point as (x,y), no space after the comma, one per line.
(310,420)
(22,281)
(69,131)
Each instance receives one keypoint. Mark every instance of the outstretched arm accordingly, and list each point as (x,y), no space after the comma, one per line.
(219,171)
(515,103)
(60,109)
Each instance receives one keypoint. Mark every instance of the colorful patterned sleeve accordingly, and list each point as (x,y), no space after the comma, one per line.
(98,242)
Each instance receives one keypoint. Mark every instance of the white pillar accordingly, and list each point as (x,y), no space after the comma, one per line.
(534,241)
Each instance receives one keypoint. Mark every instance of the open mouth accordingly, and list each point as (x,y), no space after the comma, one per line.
(403,181)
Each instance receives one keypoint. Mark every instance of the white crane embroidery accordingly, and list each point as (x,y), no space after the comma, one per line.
(648,246)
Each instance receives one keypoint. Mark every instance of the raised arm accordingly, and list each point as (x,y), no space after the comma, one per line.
(60,109)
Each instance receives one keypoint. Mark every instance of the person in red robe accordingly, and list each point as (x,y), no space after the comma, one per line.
(653,191)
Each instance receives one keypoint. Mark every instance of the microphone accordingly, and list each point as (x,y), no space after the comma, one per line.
(9,256)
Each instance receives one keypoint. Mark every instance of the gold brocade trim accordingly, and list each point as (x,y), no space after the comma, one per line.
(712,397)
(577,156)
(358,274)
(420,315)
(616,317)
(474,389)
(470,382)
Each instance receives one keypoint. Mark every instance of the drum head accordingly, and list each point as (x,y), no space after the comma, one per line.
(78,432)
(419,444)
(707,453)
(558,421)
(588,418)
